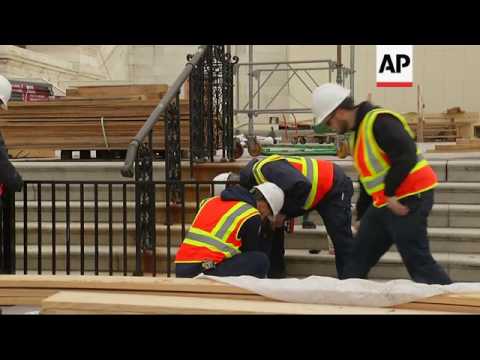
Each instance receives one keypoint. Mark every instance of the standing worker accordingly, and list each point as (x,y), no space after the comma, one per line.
(396,185)
(9,177)
(224,239)
(309,184)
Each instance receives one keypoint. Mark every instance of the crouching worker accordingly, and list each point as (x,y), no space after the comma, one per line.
(224,239)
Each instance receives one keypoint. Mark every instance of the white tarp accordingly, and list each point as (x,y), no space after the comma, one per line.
(351,292)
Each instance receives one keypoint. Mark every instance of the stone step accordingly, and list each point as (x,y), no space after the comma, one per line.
(460,267)
(103,212)
(191,191)
(445,193)
(454,240)
(451,170)
(84,170)
(451,240)
(442,215)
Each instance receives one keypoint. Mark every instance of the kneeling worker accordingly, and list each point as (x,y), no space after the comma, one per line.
(309,184)
(224,239)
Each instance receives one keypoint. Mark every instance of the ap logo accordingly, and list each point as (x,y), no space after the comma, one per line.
(394,66)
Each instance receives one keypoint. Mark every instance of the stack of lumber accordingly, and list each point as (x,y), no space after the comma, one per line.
(105,120)
(33,289)
(449,126)
(150,92)
(455,303)
(105,303)
(30,91)
(61,294)
(462,145)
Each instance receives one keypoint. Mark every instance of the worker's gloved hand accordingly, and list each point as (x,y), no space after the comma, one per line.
(396,207)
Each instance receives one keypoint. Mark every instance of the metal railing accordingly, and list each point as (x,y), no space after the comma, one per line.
(90,227)
(210,75)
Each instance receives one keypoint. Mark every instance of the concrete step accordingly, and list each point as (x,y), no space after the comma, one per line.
(447,169)
(460,267)
(448,193)
(103,211)
(445,193)
(442,215)
(84,170)
(191,192)
(451,240)
(454,240)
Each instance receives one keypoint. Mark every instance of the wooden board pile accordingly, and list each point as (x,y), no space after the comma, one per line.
(106,303)
(59,294)
(98,118)
(33,289)
(449,126)
(461,145)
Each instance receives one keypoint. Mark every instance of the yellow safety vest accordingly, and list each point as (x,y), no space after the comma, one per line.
(373,164)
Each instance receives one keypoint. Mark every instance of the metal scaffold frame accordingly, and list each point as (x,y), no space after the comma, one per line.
(295,68)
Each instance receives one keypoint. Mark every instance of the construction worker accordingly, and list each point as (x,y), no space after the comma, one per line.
(309,184)
(9,177)
(396,185)
(224,238)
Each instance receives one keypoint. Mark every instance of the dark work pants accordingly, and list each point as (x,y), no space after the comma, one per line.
(253,263)
(380,229)
(336,212)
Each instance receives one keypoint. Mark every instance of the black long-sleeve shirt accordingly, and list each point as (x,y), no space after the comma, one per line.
(295,186)
(8,174)
(400,148)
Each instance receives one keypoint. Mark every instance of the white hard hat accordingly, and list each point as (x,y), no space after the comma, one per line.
(326,99)
(5,91)
(273,194)
(218,188)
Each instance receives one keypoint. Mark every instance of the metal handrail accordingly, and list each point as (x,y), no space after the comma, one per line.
(127,169)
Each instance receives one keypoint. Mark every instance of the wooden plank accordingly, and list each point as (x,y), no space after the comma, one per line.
(73,302)
(151,90)
(461,303)
(33,296)
(118,283)
(31,289)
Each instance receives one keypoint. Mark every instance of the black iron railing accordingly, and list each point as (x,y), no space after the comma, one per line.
(210,75)
(87,238)
(90,227)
